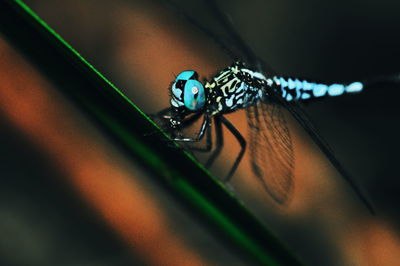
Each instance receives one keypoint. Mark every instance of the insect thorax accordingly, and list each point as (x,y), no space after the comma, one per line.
(233,88)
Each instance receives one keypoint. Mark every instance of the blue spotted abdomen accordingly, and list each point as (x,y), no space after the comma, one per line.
(300,90)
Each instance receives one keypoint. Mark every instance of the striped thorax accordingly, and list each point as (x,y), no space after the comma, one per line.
(233,88)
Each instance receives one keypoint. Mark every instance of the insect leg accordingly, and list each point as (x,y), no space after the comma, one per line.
(208,146)
(163,117)
(206,124)
(218,144)
(242,143)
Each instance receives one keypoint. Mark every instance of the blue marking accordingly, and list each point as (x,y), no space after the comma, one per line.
(229,102)
(307,85)
(185,75)
(194,97)
(336,89)
(305,96)
(354,87)
(260,94)
(243,89)
(176,103)
(319,90)
(289,97)
(283,83)
(298,87)
(291,83)
(176,92)
(299,84)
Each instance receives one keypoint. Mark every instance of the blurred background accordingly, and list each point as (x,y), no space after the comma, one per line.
(69,197)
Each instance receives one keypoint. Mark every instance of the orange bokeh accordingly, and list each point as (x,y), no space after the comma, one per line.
(92,166)
(150,46)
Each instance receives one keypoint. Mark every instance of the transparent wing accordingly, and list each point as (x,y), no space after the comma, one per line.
(301,117)
(276,178)
(216,24)
(271,152)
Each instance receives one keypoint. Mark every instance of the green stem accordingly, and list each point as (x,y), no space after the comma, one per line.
(122,120)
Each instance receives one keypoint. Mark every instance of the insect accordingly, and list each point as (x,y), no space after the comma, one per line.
(248,84)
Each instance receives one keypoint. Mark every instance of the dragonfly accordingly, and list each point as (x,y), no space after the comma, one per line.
(251,85)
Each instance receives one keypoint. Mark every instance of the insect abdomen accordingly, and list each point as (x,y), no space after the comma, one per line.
(296,90)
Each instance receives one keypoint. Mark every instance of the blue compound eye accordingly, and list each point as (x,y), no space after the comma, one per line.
(186,75)
(194,97)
